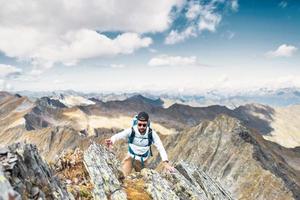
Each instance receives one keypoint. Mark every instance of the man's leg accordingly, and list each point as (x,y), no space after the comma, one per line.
(138,165)
(126,165)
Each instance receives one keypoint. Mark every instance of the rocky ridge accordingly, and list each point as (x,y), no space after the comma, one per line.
(239,158)
(27,176)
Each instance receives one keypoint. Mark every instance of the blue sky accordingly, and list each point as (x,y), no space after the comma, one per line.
(171,46)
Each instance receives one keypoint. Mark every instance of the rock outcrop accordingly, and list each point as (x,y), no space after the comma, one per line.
(6,190)
(28,174)
(105,173)
(188,181)
(193,183)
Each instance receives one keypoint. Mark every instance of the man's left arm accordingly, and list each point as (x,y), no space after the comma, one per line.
(164,157)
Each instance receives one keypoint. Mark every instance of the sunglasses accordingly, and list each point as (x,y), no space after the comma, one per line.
(142,125)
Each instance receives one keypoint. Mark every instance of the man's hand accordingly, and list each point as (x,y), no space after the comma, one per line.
(169,168)
(108,142)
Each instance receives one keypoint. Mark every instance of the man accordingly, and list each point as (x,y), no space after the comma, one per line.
(140,137)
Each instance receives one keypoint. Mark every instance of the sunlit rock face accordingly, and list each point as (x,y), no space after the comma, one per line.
(188,182)
(28,174)
(249,166)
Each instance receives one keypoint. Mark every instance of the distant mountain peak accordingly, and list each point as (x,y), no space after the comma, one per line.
(140,98)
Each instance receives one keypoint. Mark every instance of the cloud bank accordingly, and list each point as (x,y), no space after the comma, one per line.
(48,32)
(283,50)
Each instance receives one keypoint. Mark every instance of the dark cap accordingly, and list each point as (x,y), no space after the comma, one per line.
(143,116)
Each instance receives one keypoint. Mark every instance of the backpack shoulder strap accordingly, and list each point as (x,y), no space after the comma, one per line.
(150,140)
(131,136)
(150,137)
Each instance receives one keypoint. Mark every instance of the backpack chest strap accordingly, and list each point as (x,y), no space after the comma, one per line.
(132,136)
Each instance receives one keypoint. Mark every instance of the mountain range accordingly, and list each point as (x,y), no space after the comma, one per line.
(251,150)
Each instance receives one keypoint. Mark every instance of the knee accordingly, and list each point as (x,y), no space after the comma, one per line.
(126,160)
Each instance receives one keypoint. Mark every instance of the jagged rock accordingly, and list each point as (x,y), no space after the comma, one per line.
(6,190)
(184,188)
(188,182)
(158,187)
(201,181)
(30,175)
(104,171)
(3,151)
(35,191)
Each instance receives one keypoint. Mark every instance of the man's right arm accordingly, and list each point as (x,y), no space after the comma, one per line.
(121,135)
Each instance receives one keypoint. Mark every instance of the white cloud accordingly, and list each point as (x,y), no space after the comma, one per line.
(165,60)
(234,5)
(47,32)
(283,50)
(103,15)
(88,44)
(283,4)
(193,11)
(175,36)
(206,16)
(3,85)
(7,86)
(45,49)
(209,21)
(286,81)
(201,17)
(222,82)
(7,70)
(57,81)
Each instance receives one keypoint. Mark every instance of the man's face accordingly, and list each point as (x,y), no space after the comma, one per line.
(142,126)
